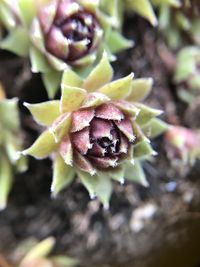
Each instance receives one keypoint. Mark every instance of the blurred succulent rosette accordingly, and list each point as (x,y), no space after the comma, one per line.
(187,74)
(97,131)
(182,145)
(60,34)
(10,144)
(180,21)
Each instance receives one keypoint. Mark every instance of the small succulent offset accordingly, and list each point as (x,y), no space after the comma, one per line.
(65,34)
(37,254)
(187,74)
(178,22)
(97,131)
(183,145)
(10,143)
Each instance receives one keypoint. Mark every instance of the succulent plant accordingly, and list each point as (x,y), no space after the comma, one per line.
(183,145)
(178,22)
(10,143)
(14,35)
(62,34)
(31,253)
(97,131)
(187,73)
(145,8)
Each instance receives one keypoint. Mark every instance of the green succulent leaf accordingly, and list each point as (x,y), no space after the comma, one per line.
(71,98)
(186,63)
(175,3)
(99,76)
(38,61)
(9,115)
(140,89)
(94,99)
(6,178)
(41,250)
(154,128)
(144,9)
(63,175)
(97,186)
(44,113)
(21,164)
(52,82)
(117,174)
(70,78)
(61,126)
(146,113)
(116,42)
(17,42)
(64,261)
(43,146)
(28,11)
(118,89)
(89,182)
(103,190)
(135,173)
(6,16)
(143,150)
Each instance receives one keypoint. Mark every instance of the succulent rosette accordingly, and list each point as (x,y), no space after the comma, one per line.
(94,131)
(183,145)
(13,35)
(10,143)
(177,22)
(60,34)
(187,74)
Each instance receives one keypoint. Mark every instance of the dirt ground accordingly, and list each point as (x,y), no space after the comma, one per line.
(155,226)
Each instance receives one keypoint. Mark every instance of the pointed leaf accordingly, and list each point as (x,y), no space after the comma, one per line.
(41,250)
(27,11)
(146,113)
(100,75)
(127,108)
(39,62)
(143,150)
(9,114)
(44,113)
(154,128)
(52,82)
(99,186)
(71,98)
(89,181)
(43,146)
(117,42)
(103,190)
(143,8)
(7,18)
(140,89)
(83,163)
(135,173)
(118,89)
(5,181)
(63,175)
(117,174)
(61,126)
(94,99)
(65,150)
(70,78)
(17,42)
